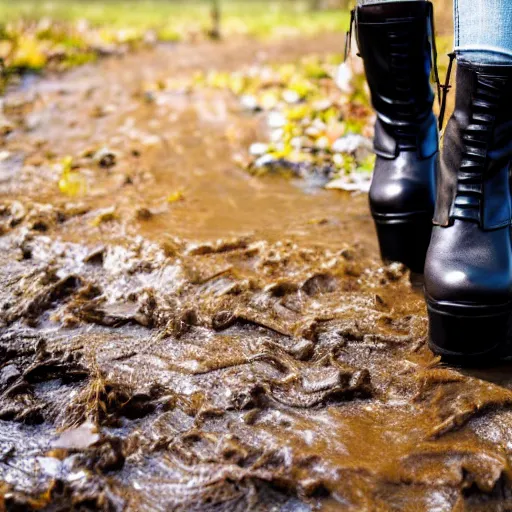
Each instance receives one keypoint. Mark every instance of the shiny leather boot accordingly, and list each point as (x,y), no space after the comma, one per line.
(394,40)
(468,272)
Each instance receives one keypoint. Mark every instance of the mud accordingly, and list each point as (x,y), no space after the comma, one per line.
(185,336)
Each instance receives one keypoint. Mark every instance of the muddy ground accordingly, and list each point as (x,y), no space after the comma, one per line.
(186,336)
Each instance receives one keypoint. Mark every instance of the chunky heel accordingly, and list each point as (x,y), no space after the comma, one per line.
(404,239)
(468,334)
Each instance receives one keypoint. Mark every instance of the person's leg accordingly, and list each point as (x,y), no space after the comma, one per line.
(468,271)
(483,31)
(394,40)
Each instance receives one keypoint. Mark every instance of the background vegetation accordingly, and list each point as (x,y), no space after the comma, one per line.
(63,33)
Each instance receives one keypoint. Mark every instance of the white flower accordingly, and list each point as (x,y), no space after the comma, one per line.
(258,149)
(291,96)
(276,120)
(344,78)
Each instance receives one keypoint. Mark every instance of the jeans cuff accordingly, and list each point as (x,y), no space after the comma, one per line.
(482,54)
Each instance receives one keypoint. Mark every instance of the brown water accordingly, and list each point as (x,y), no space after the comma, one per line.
(240,349)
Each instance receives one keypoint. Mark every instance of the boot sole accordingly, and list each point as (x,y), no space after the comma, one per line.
(404,238)
(469,335)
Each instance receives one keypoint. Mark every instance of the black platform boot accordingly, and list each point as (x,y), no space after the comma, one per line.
(394,40)
(468,272)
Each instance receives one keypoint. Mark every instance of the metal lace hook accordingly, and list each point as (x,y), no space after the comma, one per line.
(446,89)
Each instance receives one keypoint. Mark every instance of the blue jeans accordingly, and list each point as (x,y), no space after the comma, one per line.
(483,30)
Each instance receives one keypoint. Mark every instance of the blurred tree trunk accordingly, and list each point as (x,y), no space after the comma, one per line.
(215,15)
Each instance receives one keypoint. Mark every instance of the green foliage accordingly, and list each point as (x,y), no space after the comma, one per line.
(64,33)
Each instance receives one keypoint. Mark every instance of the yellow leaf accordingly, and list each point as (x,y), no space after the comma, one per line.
(71,182)
(175,196)
(28,54)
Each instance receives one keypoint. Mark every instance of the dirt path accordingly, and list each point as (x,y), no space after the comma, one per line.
(240,348)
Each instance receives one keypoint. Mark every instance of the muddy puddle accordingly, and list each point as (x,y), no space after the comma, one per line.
(185,336)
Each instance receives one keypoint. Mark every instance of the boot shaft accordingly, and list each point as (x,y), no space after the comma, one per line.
(473,177)
(394,40)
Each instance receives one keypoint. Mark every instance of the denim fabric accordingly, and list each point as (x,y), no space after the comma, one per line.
(483,30)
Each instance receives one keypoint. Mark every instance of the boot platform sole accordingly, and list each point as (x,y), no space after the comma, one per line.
(404,238)
(469,335)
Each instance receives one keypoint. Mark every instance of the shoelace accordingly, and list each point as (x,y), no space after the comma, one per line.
(442,89)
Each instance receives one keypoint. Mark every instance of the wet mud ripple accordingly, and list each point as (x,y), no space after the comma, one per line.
(237,375)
